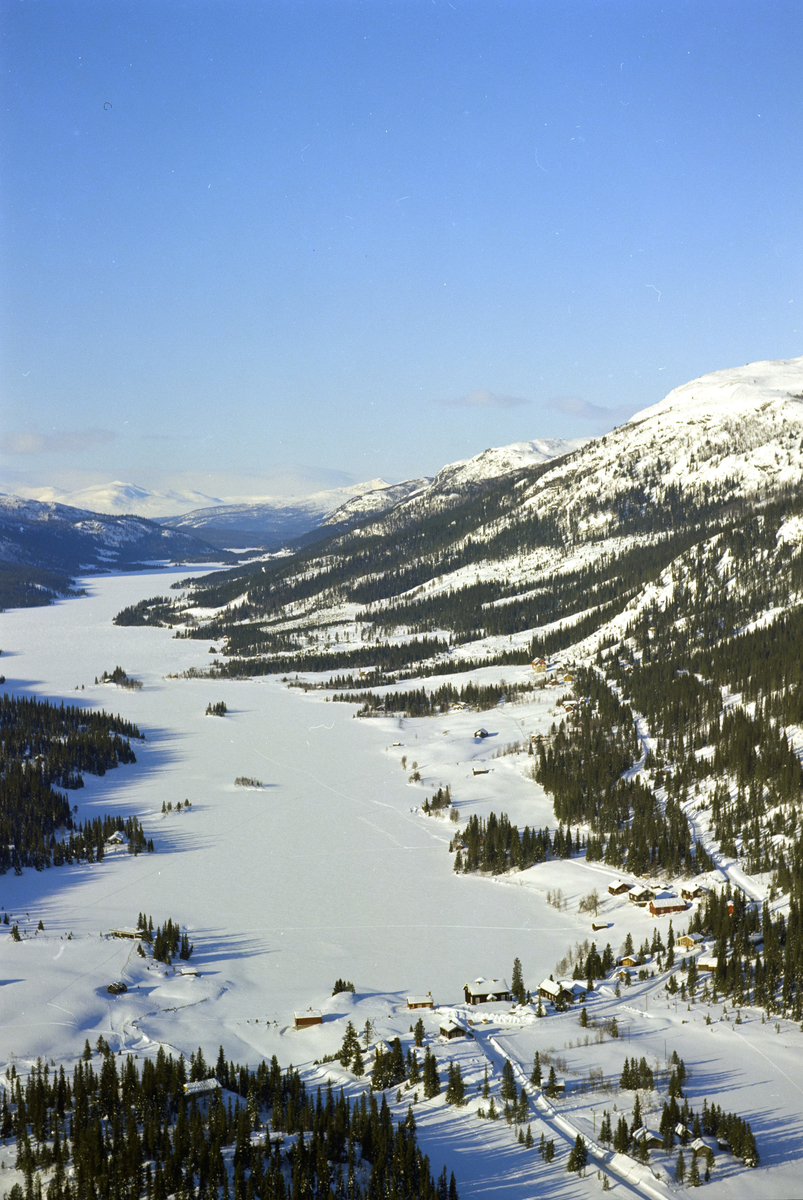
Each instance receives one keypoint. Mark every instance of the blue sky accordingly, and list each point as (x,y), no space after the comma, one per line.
(246,242)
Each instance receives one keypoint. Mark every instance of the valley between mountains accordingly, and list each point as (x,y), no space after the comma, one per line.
(534,728)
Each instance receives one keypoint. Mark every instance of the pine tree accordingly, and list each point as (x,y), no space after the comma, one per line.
(636,1122)
(455,1091)
(680,1167)
(578,1156)
(535,1077)
(507,1089)
(431,1078)
(694,1172)
(517,983)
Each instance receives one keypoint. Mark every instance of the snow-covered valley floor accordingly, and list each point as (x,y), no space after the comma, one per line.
(330,870)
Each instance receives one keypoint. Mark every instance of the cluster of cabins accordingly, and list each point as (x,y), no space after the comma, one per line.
(660,903)
(559,673)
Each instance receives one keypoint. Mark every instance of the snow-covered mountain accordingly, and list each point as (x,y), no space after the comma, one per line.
(375,501)
(482,545)
(503,460)
(270,520)
(455,479)
(122,499)
(61,538)
(731,433)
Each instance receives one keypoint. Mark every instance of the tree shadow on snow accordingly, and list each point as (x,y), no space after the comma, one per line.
(505,1170)
(212,945)
(779,1138)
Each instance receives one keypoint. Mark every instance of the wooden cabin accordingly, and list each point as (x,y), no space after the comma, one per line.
(421,1001)
(648,1137)
(313,1016)
(557,993)
(486,991)
(451,1030)
(662,906)
(619,888)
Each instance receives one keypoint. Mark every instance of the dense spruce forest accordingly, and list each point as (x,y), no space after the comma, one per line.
(44,747)
(23,586)
(118,1128)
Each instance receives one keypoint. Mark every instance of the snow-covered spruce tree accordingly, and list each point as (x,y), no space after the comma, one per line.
(431,1078)
(517,983)
(578,1156)
(535,1076)
(507,1089)
(456,1090)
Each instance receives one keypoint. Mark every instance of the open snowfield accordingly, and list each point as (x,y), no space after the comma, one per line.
(329,870)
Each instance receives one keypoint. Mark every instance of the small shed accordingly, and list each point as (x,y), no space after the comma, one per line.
(486,991)
(481,732)
(689,940)
(421,1001)
(313,1016)
(135,934)
(451,1029)
(619,888)
(480,771)
(117,988)
(189,972)
(629,960)
(707,961)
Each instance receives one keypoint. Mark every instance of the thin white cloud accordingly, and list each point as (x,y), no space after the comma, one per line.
(64,441)
(482,398)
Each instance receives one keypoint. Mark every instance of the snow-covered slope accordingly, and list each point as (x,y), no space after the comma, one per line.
(454,480)
(503,460)
(735,432)
(376,501)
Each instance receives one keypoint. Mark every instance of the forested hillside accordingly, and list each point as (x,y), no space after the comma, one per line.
(45,747)
(664,562)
